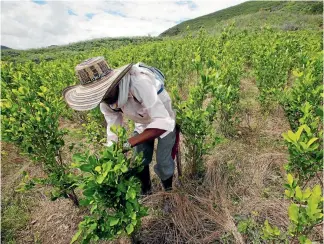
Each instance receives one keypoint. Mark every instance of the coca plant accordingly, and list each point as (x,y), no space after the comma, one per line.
(271,62)
(305,212)
(225,89)
(305,91)
(305,151)
(195,116)
(304,108)
(30,120)
(111,192)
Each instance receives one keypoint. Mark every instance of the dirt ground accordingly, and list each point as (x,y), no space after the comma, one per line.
(48,222)
(244,177)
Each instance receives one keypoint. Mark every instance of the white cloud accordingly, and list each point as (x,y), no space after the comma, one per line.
(26,24)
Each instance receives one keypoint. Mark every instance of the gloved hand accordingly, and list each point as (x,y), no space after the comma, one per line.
(108,144)
(127,147)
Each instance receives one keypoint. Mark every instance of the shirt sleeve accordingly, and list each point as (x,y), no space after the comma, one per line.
(112,118)
(146,93)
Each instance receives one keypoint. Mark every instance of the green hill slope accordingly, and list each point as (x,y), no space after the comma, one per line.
(54,51)
(4,47)
(254,14)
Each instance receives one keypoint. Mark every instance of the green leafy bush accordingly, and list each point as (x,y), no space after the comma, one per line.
(305,152)
(30,120)
(271,62)
(195,119)
(110,191)
(305,212)
(305,91)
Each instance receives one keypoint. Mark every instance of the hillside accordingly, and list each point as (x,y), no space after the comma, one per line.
(4,47)
(54,51)
(246,16)
(253,15)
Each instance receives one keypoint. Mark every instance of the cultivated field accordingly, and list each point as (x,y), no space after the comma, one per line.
(249,105)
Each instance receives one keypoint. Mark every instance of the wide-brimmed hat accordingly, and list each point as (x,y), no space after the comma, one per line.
(97,80)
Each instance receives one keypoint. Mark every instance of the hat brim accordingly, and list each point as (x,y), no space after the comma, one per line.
(87,97)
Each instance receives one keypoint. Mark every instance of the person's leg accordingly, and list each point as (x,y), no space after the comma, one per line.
(165,164)
(144,176)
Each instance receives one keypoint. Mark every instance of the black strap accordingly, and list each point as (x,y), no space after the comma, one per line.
(116,109)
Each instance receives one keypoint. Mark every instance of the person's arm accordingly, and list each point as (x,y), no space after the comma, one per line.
(146,135)
(112,118)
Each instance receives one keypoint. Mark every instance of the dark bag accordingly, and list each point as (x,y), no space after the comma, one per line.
(158,73)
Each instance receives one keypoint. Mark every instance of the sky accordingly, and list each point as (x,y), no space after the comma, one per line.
(39,23)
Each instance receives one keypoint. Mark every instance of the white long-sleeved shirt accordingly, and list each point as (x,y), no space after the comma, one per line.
(147,110)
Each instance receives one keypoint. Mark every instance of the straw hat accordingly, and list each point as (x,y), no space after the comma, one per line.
(97,80)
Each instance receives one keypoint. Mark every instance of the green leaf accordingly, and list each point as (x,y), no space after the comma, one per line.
(89,192)
(288,193)
(267,230)
(317,192)
(292,136)
(319,112)
(290,179)
(93,208)
(299,131)
(312,209)
(78,158)
(276,231)
(293,211)
(117,167)
(124,168)
(43,89)
(304,240)
(311,141)
(113,221)
(102,177)
(92,160)
(129,229)
(307,193)
(308,241)
(98,169)
(84,202)
(308,130)
(286,137)
(133,215)
(299,194)
(86,167)
(297,73)
(108,154)
(242,227)
(131,194)
(76,236)
(303,144)
(107,166)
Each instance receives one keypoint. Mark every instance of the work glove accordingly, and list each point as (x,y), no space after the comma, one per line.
(127,147)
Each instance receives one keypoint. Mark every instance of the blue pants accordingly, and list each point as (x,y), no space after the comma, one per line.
(164,167)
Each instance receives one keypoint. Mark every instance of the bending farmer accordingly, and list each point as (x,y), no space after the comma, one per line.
(137,92)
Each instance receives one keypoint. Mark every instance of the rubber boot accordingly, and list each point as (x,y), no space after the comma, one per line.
(167,184)
(145,178)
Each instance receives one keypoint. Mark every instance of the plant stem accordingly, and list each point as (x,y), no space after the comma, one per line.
(74,198)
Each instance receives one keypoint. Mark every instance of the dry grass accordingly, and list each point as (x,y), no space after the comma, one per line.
(32,217)
(244,175)
(188,220)
(55,222)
